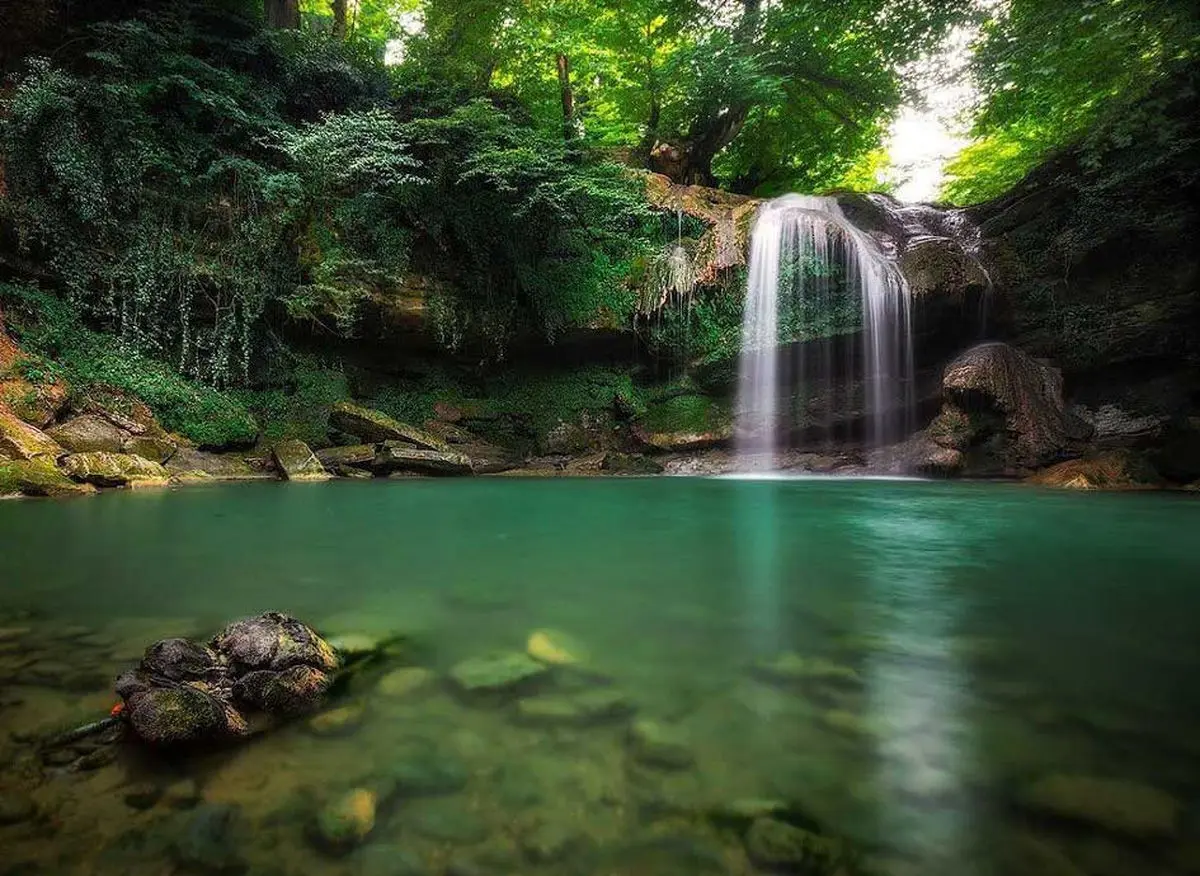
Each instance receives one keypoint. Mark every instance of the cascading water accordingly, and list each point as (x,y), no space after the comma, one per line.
(801,249)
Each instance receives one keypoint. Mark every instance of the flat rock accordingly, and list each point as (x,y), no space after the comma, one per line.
(88,432)
(352,455)
(374,426)
(496,672)
(112,469)
(297,462)
(659,745)
(187,460)
(395,456)
(1122,807)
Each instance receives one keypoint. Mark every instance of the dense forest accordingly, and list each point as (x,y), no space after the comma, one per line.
(242,212)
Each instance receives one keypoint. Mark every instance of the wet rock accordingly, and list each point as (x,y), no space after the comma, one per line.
(347,820)
(182,714)
(341,721)
(373,426)
(154,449)
(112,469)
(15,808)
(353,455)
(587,707)
(38,477)
(615,463)
(395,457)
(448,822)
(1121,807)
(791,668)
(1114,470)
(503,671)
(143,795)
(86,433)
(352,473)
(296,462)
(554,648)
(274,641)
(19,440)
(208,840)
(401,683)
(772,843)
(658,745)
(292,691)
(187,461)
(426,773)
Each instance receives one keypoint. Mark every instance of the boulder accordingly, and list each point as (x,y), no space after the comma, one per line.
(395,456)
(87,433)
(19,440)
(373,426)
(995,378)
(112,469)
(1126,808)
(334,458)
(296,462)
(37,403)
(147,447)
(37,477)
(681,440)
(273,641)
(187,461)
(181,714)
(1114,470)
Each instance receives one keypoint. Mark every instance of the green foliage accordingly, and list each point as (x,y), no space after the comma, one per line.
(50,329)
(298,400)
(1051,72)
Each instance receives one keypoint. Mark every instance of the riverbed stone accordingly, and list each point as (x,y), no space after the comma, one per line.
(660,745)
(208,839)
(555,648)
(585,707)
(374,426)
(426,773)
(297,462)
(502,671)
(142,795)
(552,841)
(405,682)
(112,469)
(347,820)
(1119,806)
(1030,855)
(341,721)
(774,843)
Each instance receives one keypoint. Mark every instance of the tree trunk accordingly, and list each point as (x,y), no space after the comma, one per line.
(283,14)
(339,18)
(567,95)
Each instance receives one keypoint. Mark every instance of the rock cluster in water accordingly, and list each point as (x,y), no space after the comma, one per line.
(185,692)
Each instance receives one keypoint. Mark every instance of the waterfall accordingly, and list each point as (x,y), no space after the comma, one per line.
(803,254)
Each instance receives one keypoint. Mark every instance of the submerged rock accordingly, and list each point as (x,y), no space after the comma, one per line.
(88,432)
(791,668)
(447,821)
(341,721)
(554,648)
(426,773)
(112,469)
(347,820)
(296,462)
(208,840)
(658,745)
(496,672)
(374,426)
(405,682)
(1122,807)
(587,707)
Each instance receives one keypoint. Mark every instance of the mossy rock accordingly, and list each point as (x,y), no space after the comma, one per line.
(777,844)
(87,433)
(373,426)
(37,477)
(685,422)
(152,448)
(37,403)
(176,715)
(346,821)
(19,440)
(112,469)
(1115,470)
(297,462)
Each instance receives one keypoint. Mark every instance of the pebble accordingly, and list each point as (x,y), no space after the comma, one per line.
(400,683)
(658,745)
(341,721)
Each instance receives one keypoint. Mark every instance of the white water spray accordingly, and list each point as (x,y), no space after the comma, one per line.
(811,240)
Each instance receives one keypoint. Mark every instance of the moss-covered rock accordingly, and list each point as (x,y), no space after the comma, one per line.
(223,467)
(373,426)
(346,821)
(19,440)
(496,672)
(297,462)
(87,433)
(395,456)
(35,402)
(685,422)
(354,455)
(176,715)
(660,745)
(772,843)
(37,477)
(112,469)
(149,447)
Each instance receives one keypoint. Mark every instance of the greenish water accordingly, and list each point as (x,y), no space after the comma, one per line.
(987,637)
